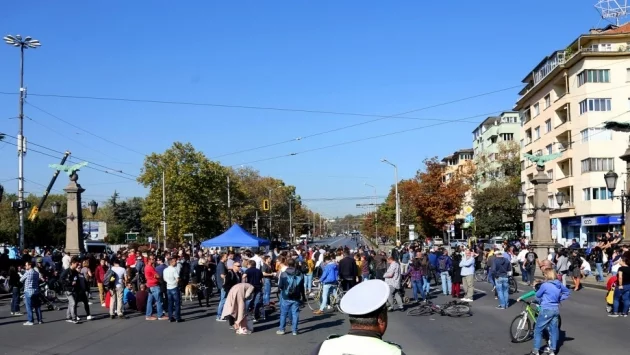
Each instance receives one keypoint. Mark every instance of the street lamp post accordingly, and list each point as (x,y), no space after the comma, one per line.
(290,221)
(611,184)
(93,205)
(397,198)
(23,44)
(375,213)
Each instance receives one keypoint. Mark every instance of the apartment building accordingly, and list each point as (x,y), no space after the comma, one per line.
(453,164)
(487,140)
(567,97)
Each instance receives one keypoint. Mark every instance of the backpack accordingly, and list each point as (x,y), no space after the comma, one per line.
(442,264)
(293,282)
(109,280)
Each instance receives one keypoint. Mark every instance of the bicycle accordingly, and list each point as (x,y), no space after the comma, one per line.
(481,275)
(334,298)
(525,323)
(451,309)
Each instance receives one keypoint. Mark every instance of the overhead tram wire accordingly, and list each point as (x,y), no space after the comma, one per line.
(88,167)
(380,117)
(73,157)
(84,130)
(389,134)
(350,142)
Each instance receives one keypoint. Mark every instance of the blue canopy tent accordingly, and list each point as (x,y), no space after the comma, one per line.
(236,236)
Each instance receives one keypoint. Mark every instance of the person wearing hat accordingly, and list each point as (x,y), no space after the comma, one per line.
(366,307)
(501,269)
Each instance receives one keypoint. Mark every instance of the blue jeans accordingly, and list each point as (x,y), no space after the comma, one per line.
(29,308)
(15,300)
(446,282)
(501,284)
(221,304)
(257,299)
(491,279)
(328,288)
(308,283)
(365,277)
(294,308)
(173,303)
(524,277)
(266,291)
(154,295)
(600,272)
(416,287)
(426,286)
(624,295)
(547,318)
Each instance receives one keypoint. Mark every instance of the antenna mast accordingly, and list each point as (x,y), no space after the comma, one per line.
(613,9)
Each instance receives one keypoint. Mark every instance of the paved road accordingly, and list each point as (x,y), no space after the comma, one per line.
(587,330)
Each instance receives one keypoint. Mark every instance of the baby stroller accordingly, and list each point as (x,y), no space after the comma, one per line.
(45,297)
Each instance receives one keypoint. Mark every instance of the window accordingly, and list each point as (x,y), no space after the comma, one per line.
(598,164)
(548,125)
(596,134)
(547,100)
(536,109)
(539,152)
(594,105)
(507,136)
(593,76)
(595,193)
(549,149)
(537,133)
(550,174)
(523,141)
(627,75)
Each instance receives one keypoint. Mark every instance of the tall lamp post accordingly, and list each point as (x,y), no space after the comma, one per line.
(93,205)
(23,43)
(397,198)
(611,184)
(375,213)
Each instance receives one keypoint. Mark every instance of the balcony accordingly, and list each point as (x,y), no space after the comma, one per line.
(563,115)
(564,171)
(552,62)
(564,141)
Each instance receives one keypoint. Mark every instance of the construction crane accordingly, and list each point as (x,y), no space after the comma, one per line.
(33,215)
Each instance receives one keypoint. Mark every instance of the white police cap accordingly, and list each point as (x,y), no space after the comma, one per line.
(364,298)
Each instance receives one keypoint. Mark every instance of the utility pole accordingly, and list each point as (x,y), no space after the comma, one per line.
(23,43)
(290,222)
(228,203)
(164,207)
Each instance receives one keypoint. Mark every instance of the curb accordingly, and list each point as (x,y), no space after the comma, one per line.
(597,286)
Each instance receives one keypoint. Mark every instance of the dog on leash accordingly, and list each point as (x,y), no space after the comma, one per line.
(190,291)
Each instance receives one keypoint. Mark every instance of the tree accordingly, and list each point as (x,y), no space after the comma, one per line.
(497,209)
(438,201)
(496,206)
(193,183)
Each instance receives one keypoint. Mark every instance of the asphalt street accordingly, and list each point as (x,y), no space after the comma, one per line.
(586,330)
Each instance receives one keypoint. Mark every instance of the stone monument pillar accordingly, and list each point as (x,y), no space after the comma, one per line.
(74,221)
(541,233)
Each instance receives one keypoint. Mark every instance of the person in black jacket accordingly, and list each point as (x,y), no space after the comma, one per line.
(70,281)
(14,286)
(204,280)
(233,277)
(347,271)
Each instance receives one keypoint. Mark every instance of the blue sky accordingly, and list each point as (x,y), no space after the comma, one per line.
(369,57)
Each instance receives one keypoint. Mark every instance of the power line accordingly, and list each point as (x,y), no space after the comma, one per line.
(77,158)
(341,198)
(353,141)
(266,108)
(86,131)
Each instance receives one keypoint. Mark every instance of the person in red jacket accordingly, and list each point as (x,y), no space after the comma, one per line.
(131,259)
(99,274)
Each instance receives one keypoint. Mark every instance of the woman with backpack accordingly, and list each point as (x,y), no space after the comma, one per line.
(456,276)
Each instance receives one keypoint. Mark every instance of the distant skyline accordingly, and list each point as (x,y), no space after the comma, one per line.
(363,57)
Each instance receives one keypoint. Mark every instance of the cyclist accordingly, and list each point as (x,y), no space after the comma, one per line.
(551,293)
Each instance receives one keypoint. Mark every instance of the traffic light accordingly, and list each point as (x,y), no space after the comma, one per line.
(265,205)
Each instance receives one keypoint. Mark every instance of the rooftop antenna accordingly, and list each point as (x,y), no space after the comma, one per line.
(613,9)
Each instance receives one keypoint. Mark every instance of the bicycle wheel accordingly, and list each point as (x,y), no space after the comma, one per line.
(340,295)
(315,282)
(422,310)
(512,286)
(481,275)
(521,328)
(316,301)
(457,310)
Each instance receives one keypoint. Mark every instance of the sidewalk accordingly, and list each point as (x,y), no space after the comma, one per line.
(589,281)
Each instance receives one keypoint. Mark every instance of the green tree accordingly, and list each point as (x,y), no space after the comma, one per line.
(192,183)
(497,210)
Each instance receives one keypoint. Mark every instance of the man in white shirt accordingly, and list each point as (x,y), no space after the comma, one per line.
(521,261)
(257,259)
(171,277)
(117,293)
(65,261)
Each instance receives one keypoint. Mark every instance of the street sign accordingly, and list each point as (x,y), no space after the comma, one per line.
(265,205)
(468,210)
(412,227)
(131,236)
(150,239)
(469,218)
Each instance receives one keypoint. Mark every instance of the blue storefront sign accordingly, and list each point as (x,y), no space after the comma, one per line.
(600,220)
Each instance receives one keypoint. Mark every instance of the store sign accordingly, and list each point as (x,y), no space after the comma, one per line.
(589,221)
